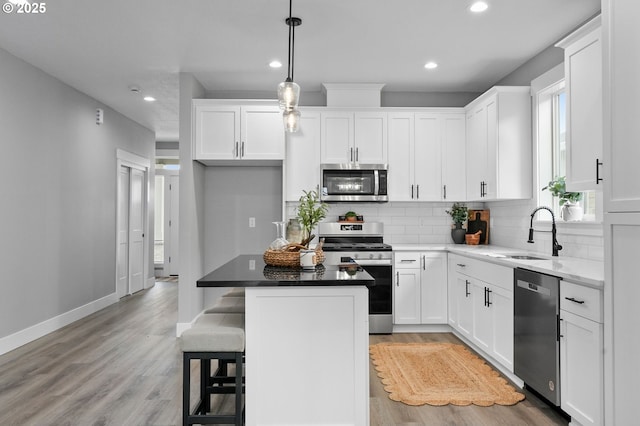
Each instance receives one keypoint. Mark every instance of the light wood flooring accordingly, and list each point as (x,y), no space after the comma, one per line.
(122,366)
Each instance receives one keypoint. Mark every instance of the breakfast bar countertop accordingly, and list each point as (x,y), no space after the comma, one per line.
(249,270)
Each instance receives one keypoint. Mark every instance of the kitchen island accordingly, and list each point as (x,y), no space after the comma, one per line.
(307,341)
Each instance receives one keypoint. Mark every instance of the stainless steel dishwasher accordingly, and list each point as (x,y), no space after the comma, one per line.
(536,357)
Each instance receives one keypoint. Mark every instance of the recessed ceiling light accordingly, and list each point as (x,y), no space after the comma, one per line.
(430,65)
(479,6)
(275,64)
(149,99)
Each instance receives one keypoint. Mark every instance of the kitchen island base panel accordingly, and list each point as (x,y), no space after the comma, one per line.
(307,356)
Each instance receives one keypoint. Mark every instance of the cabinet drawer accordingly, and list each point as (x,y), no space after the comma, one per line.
(498,275)
(407,260)
(581,300)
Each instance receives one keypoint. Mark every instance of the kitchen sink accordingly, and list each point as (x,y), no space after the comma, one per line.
(524,257)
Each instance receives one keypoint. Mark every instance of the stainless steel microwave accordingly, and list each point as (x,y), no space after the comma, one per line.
(354,182)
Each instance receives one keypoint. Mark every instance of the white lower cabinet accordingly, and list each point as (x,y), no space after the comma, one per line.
(420,290)
(581,354)
(481,297)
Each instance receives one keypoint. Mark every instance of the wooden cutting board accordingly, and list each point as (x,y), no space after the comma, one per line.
(479,221)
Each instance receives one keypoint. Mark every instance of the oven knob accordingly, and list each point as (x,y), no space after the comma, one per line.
(371,256)
(355,255)
(380,256)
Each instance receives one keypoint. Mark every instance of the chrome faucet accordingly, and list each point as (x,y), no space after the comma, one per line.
(556,247)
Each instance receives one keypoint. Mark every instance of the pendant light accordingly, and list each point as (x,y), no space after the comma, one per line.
(288,90)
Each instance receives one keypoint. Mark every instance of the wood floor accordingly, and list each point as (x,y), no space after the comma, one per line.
(122,366)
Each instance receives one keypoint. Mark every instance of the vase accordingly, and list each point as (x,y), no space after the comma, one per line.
(458,233)
(571,212)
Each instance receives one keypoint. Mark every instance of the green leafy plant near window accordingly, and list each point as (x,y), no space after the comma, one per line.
(310,212)
(558,188)
(459,213)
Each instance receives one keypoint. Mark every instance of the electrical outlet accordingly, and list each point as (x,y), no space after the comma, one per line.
(252,222)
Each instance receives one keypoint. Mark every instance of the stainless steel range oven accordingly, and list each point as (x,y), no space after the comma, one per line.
(363,242)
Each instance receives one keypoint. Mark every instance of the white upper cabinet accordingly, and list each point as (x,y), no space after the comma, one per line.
(453,155)
(426,156)
(583,82)
(353,137)
(302,164)
(401,156)
(225,132)
(498,138)
(622,130)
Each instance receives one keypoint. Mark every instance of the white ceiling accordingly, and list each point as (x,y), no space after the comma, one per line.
(103,47)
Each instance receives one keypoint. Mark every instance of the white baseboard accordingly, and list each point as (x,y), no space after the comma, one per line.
(422,328)
(22,337)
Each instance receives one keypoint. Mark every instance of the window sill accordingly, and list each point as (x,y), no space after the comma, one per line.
(591,228)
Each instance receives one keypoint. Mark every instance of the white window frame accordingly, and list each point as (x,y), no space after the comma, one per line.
(543,89)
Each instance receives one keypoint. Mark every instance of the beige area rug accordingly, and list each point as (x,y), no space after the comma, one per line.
(439,374)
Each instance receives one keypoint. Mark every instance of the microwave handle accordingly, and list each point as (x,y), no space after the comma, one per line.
(376,180)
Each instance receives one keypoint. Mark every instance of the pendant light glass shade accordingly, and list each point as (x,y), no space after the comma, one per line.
(288,95)
(291,120)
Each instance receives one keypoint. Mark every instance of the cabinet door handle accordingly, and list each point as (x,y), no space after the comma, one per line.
(424,262)
(580,302)
(489,303)
(417,191)
(481,189)
(351,154)
(598,164)
(398,279)
(236,154)
(466,288)
(444,195)
(242,150)
(357,155)
(462,265)
(412,192)
(407,260)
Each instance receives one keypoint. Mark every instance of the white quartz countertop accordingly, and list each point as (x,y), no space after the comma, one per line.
(581,271)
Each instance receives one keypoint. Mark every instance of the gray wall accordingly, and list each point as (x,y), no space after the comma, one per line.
(58,189)
(534,67)
(191,209)
(233,195)
(387,99)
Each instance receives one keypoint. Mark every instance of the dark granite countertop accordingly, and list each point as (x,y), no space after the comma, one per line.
(249,270)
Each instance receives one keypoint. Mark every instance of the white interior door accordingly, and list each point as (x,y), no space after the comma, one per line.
(174,195)
(136,231)
(122,267)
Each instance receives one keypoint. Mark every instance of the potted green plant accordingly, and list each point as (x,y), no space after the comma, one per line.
(569,201)
(310,212)
(459,214)
(351,216)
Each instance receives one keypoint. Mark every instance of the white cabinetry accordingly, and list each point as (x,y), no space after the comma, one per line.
(581,353)
(354,137)
(237,132)
(499,145)
(426,156)
(621,38)
(482,300)
(420,290)
(583,82)
(303,156)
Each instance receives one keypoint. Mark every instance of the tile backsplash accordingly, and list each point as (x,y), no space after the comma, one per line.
(427,223)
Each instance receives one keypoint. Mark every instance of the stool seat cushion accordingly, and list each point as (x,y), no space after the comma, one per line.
(215,333)
(227,305)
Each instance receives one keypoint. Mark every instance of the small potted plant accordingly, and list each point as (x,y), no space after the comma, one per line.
(351,216)
(310,212)
(569,201)
(459,214)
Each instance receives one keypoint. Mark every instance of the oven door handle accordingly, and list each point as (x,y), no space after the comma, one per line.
(373,262)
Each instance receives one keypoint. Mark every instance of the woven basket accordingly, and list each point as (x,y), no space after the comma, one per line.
(288,258)
(288,273)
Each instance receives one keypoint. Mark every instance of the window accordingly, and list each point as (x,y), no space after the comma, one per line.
(552,150)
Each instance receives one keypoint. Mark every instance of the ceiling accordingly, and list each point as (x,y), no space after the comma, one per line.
(103,47)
